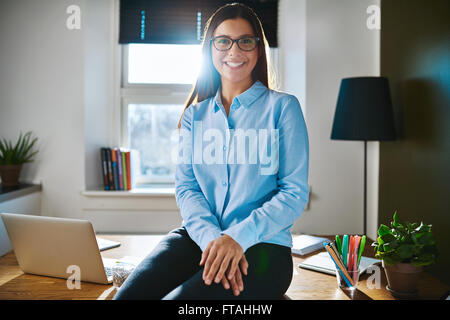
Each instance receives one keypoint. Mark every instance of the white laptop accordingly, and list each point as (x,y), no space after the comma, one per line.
(48,246)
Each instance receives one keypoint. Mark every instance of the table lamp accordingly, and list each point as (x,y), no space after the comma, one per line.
(364,112)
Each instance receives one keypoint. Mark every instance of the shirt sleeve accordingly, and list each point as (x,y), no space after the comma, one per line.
(285,206)
(201,224)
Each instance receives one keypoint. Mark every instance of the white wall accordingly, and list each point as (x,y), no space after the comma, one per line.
(62,85)
(292,49)
(41,89)
(337,44)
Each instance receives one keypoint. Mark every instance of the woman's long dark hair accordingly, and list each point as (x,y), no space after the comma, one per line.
(208,80)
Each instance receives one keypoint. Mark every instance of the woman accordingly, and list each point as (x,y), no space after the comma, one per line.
(235,239)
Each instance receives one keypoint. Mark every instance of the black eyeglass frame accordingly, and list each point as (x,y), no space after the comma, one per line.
(233,41)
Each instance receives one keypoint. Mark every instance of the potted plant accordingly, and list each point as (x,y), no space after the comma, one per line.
(404,249)
(13,157)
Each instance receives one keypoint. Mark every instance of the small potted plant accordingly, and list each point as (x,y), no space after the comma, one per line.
(13,157)
(404,249)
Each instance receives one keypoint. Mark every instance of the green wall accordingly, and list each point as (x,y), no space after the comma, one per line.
(415,169)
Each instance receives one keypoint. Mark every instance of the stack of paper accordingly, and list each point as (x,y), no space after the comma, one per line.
(104,244)
(304,244)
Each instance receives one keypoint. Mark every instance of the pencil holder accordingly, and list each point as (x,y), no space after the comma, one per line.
(343,281)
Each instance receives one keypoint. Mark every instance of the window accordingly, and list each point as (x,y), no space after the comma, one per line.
(156,82)
(150,130)
(163,63)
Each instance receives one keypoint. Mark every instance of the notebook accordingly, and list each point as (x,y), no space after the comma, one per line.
(322,262)
(104,244)
(304,244)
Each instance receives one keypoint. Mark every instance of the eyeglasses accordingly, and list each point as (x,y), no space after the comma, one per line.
(224,43)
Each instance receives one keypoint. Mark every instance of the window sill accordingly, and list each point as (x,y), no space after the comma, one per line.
(142,191)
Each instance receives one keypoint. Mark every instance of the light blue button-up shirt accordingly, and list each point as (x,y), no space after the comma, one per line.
(245,175)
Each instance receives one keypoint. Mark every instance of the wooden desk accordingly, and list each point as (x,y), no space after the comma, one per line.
(306,284)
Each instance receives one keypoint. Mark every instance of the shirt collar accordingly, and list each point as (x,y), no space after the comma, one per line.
(246,98)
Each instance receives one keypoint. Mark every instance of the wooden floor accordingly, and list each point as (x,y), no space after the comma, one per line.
(306,284)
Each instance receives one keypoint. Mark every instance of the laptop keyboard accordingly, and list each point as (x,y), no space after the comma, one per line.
(108,271)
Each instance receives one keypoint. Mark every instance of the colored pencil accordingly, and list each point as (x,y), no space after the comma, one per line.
(340,267)
(339,244)
(350,253)
(355,257)
(344,250)
(361,248)
(333,246)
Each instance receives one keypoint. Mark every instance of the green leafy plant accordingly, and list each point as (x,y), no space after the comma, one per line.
(20,153)
(405,243)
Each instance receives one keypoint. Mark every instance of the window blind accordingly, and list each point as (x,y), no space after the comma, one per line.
(183,21)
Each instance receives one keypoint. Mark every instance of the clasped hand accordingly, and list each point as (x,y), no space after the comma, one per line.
(222,255)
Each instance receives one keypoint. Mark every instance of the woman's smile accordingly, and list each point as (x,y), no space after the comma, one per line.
(234,65)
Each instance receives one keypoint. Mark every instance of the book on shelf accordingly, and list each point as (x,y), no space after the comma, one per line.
(127,161)
(124,170)
(110,172)
(104,168)
(135,165)
(120,168)
(114,169)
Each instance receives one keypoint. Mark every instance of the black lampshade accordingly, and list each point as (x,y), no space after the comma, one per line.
(364,110)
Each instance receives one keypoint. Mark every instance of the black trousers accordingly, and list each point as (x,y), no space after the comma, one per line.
(171,272)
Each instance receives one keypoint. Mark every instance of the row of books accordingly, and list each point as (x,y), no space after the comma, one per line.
(120,168)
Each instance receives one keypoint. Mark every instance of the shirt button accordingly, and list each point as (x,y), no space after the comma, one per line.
(230,126)
(224,183)
(224,148)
